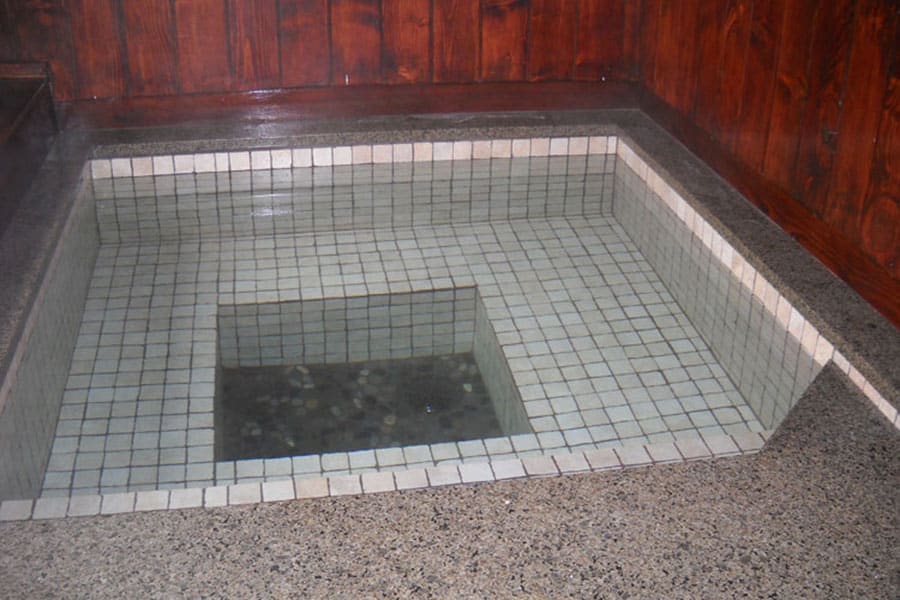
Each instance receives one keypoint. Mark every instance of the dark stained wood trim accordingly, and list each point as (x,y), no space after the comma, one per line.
(352,101)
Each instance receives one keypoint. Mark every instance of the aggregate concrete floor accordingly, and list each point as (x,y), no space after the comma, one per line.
(815,515)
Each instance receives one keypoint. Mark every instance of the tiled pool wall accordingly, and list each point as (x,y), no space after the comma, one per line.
(758,301)
(339,330)
(31,392)
(769,366)
(374,327)
(350,187)
(497,376)
(772,351)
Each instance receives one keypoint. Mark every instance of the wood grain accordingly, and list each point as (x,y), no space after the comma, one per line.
(649,29)
(99,67)
(43,34)
(860,113)
(791,92)
(830,53)
(724,35)
(504,39)
(751,132)
(203,64)
(356,41)
(600,46)
(150,46)
(305,42)
(631,39)
(406,34)
(250,109)
(843,257)
(9,44)
(456,40)
(879,218)
(552,39)
(253,40)
(674,70)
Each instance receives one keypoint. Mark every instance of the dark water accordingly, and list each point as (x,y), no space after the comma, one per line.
(268,412)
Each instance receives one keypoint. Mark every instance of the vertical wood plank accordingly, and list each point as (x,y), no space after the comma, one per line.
(406,32)
(725,37)
(202,46)
(879,219)
(552,39)
(150,44)
(759,83)
(790,94)
(305,42)
(649,31)
(456,40)
(97,49)
(734,60)
(44,35)
(601,40)
(253,39)
(710,36)
(674,67)
(504,36)
(356,41)
(867,76)
(828,73)
(9,45)
(631,38)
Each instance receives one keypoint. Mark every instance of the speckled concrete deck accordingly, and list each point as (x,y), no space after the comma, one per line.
(814,515)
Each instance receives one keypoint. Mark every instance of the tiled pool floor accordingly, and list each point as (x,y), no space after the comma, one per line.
(601,353)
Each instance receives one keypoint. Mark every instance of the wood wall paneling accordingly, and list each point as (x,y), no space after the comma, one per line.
(649,28)
(43,34)
(504,39)
(552,39)
(9,46)
(879,217)
(632,37)
(724,36)
(253,40)
(600,44)
(305,42)
(830,52)
(150,47)
(860,112)
(456,40)
(406,35)
(356,41)
(676,62)
(751,132)
(790,92)
(202,50)
(804,96)
(99,64)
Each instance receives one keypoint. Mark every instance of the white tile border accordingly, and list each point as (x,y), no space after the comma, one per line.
(265,159)
(811,340)
(376,482)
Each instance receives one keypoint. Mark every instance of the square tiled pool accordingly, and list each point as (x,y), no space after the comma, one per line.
(608,323)
(344,374)
(584,345)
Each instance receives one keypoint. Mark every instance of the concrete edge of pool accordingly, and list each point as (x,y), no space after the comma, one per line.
(721,208)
